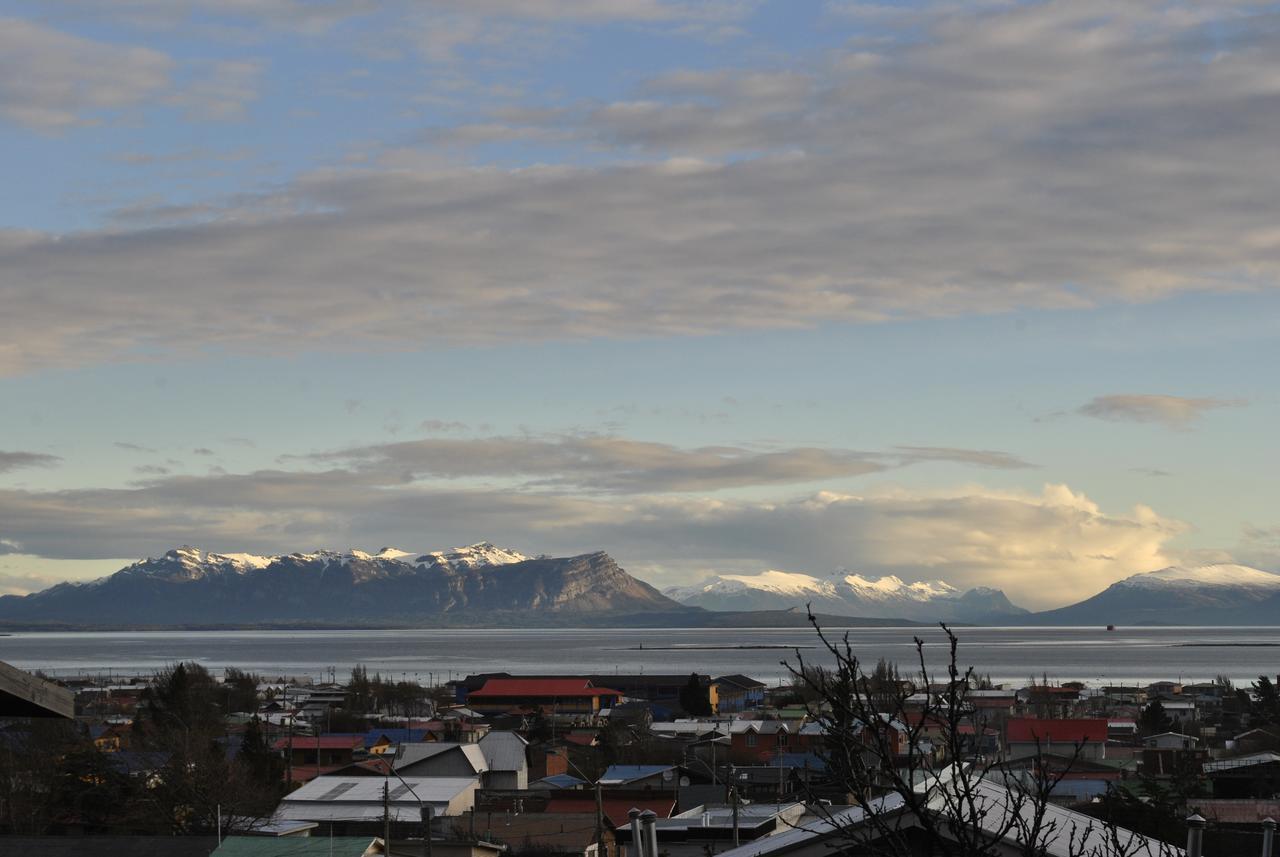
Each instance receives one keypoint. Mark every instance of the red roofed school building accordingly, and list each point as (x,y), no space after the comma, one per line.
(554,695)
(1030,736)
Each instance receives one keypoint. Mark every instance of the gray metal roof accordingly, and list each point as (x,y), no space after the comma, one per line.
(504,751)
(339,798)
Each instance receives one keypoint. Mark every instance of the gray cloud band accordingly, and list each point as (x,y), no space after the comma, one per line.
(1056,155)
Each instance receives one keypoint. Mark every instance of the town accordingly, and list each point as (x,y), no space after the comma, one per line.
(186,762)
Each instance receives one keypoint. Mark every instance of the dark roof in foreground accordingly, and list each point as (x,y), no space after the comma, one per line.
(110,846)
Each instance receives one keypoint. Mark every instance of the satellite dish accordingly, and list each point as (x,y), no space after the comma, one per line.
(668,775)
(684,782)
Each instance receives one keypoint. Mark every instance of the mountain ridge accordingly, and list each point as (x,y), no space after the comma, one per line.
(848,594)
(187,586)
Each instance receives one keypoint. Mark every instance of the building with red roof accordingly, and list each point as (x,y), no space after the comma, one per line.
(553,695)
(1031,736)
(320,751)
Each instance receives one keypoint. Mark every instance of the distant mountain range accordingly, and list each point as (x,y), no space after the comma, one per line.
(849,595)
(1222,594)
(484,585)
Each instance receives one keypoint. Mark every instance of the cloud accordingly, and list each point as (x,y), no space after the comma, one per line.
(435,426)
(1043,549)
(1047,155)
(14,460)
(624,466)
(977,457)
(608,464)
(132,447)
(50,80)
(1150,471)
(221,90)
(202,450)
(1174,412)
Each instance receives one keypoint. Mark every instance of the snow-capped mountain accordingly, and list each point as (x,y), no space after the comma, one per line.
(847,594)
(1221,594)
(189,586)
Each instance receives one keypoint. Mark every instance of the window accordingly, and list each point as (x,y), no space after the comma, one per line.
(752,739)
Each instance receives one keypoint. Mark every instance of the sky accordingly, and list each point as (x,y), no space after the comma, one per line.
(977,292)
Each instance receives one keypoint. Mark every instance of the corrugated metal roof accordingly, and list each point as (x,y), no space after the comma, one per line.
(616,775)
(336,788)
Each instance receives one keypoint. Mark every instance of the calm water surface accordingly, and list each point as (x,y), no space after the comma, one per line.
(1008,654)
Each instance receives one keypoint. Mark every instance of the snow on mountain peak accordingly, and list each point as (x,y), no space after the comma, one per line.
(786,582)
(890,585)
(1220,574)
(478,555)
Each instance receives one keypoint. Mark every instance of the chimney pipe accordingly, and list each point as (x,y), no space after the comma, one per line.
(1195,836)
(637,841)
(1268,835)
(649,821)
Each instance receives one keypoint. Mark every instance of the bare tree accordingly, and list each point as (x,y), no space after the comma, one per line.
(911,755)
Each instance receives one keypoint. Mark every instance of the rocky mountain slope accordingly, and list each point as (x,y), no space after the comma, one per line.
(849,595)
(189,586)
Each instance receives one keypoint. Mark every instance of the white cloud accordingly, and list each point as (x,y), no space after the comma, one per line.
(1176,412)
(50,80)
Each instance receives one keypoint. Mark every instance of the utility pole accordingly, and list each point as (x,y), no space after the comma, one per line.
(600,844)
(733,797)
(386,818)
(425,814)
(289,752)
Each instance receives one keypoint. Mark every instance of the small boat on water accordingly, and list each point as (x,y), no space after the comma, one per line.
(1111,627)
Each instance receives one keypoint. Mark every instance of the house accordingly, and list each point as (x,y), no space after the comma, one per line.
(638,776)
(1182,710)
(325,751)
(107,738)
(1254,741)
(1072,780)
(1030,736)
(1170,741)
(1164,688)
(433,759)
(1256,775)
(569,696)
(353,804)
(663,690)
(1122,729)
(991,704)
(506,754)
(379,741)
(755,741)
(737,693)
